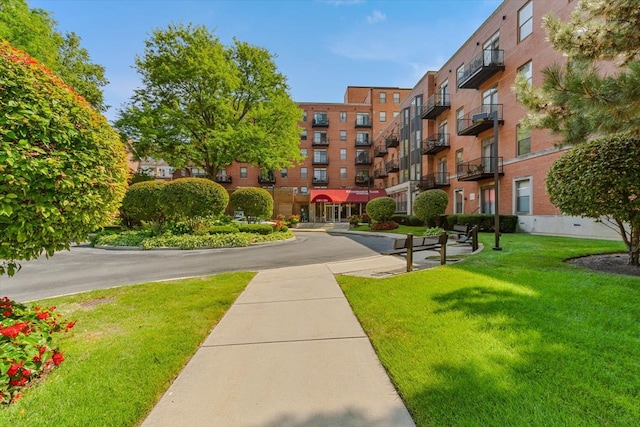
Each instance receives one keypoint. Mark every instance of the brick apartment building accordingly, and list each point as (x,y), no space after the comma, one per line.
(438,134)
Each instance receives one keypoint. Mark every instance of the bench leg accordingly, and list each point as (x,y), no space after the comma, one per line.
(443,254)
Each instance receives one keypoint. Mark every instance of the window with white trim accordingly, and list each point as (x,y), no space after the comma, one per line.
(525,21)
(522,196)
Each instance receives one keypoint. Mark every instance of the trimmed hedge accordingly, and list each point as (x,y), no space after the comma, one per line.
(255,228)
(253,201)
(143,202)
(407,220)
(381,209)
(429,205)
(485,222)
(190,197)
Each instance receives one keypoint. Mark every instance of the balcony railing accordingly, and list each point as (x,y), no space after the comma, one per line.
(320,160)
(434,180)
(380,172)
(363,142)
(481,67)
(478,169)
(392,141)
(320,142)
(363,159)
(223,179)
(363,122)
(266,179)
(320,122)
(380,150)
(479,119)
(320,180)
(392,166)
(434,144)
(362,180)
(436,105)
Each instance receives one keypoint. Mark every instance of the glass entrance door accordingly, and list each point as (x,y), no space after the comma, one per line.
(332,212)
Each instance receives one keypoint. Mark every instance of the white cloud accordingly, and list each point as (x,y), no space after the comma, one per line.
(376,16)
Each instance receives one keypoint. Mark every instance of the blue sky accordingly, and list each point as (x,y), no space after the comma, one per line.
(322,46)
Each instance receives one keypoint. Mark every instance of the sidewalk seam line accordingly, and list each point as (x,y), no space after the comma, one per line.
(287,300)
(285,341)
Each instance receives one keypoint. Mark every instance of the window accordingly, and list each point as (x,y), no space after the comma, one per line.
(526,70)
(395,113)
(343,154)
(343,117)
(343,135)
(303,135)
(304,190)
(487,154)
(523,136)
(304,173)
(320,176)
(362,138)
(490,97)
(303,153)
(396,97)
(525,21)
(320,137)
(441,177)
(243,172)
(487,200)
(383,116)
(459,74)
(362,157)
(460,119)
(459,161)
(362,119)
(304,116)
(343,173)
(284,172)
(383,97)
(320,118)
(458,206)
(522,190)
(320,156)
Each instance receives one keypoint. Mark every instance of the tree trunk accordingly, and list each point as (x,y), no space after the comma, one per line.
(634,247)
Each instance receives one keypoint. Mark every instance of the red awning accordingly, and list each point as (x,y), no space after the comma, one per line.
(345,195)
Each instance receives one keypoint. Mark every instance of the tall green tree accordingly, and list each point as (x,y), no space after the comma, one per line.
(34,31)
(209,105)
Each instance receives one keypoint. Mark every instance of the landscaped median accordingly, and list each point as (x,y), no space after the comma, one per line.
(511,337)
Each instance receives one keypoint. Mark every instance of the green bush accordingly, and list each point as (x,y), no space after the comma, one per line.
(485,222)
(143,202)
(429,205)
(381,209)
(256,203)
(63,172)
(407,220)
(191,197)
(223,229)
(263,229)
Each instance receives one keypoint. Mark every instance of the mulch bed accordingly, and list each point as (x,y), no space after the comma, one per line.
(607,263)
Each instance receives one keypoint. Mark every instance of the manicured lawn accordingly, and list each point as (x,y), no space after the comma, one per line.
(509,338)
(129,343)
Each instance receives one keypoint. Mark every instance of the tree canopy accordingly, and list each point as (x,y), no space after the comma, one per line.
(63,171)
(34,31)
(207,105)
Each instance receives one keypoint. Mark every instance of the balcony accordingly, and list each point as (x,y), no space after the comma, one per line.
(392,166)
(223,179)
(392,141)
(320,142)
(363,159)
(435,143)
(479,119)
(320,180)
(320,123)
(478,169)
(362,180)
(320,160)
(363,142)
(434,180)
(436,105)
(380,150)
(267,179)
(380,172)
(363,122)
(481,67)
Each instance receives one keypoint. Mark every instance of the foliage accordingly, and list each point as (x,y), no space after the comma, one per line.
(290,220)
(384,226)
(256,203)
(404,219)
(140,176)
(26,335)
(485,222)
(433,231)
(263,229)
(190,197)
(381,208)
(429,205)
(34,31)
(583,182)
(143,202)
(483,341)
(208,105)
(62,167)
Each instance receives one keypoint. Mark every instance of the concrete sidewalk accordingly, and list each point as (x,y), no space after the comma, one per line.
(288,353)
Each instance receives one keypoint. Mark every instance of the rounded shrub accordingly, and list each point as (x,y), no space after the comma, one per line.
(143,202)
(253,201)
(62,167)
(190,197)
(429,205)
(381,209)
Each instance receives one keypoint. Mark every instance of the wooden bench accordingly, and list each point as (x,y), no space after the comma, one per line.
(427,243)
(466,234)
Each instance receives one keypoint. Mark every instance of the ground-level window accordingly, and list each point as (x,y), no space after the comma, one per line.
(303,172)
(488,200)
(522,189)
(304,190)
(458,206)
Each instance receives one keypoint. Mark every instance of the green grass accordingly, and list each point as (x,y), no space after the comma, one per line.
(512,337)
(128,345)
(402,229)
